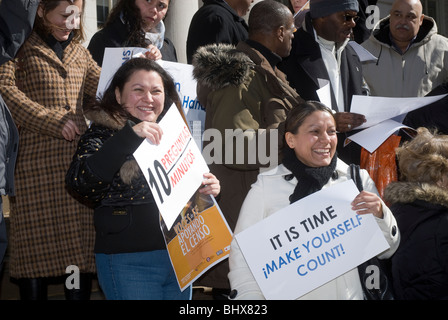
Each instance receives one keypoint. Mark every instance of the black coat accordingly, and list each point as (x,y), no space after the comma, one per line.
(104,172)
(360,32)
(432,116)
(116,35)
(305,66)
(420,264)
(215,22)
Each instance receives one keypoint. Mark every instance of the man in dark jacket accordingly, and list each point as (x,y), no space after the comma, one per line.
(361,31)
(320,52)
(16,23)
(432,116)
(217,21)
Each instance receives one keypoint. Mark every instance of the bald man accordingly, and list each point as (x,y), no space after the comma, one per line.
(412,57)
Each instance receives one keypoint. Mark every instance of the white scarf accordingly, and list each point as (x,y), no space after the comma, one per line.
(156,35)
(332,59)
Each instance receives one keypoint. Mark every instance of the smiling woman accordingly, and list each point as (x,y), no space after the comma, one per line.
(313,137)
(131,255)
(310,164)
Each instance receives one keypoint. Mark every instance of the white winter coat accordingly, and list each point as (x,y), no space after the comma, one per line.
(269,194)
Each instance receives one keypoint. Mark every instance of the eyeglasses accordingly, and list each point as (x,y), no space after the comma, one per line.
(349,18)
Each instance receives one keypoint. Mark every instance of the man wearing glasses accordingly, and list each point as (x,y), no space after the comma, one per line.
(320,52)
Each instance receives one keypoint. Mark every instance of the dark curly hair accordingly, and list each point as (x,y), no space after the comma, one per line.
(132,19)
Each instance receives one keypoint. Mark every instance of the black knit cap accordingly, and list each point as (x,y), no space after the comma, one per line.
(323,8)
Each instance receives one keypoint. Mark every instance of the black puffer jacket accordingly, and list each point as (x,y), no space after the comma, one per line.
(104,172)
(420,265)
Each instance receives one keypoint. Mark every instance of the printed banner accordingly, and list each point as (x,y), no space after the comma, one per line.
(180,72)
(310,242)
(174,169)
(196,232)
(199,239)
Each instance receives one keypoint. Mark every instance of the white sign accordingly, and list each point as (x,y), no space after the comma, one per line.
(183,79)
(310,242)
(378,109)
(174,169)
(371,138)
(324,93)
(363,54)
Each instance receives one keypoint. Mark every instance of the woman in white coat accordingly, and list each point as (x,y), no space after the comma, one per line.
(310,164)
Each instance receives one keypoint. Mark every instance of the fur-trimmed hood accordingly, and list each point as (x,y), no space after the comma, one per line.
(217,66)
(408,192)
(382,30)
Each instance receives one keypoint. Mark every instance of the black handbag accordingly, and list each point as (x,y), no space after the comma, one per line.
(385,289)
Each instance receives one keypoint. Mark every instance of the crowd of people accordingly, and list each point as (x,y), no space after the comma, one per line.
(78,197)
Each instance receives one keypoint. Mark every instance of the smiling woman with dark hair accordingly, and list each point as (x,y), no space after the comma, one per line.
(131,256)
(310,164)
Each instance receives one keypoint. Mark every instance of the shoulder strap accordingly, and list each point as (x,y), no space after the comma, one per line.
(354,172)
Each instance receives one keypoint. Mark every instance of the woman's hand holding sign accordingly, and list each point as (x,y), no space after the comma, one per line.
(149,130)
(210,185)
(368,202)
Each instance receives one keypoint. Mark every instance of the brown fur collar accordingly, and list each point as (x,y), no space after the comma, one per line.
(101,118)
(130,170)
(407,192)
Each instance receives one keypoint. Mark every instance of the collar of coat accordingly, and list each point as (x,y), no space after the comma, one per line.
(382,31)
(130,169)
(408,192)
(217,66)
(342,169)
(226,6)
(102,118)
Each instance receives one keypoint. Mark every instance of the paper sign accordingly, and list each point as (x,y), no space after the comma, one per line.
(196,233)
(363,54)
(181,73)
(378,109)
(174,169)
(324,93)
(371,138)
(199,239)
(310,242)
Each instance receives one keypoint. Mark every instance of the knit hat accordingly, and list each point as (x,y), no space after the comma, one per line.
(323,8)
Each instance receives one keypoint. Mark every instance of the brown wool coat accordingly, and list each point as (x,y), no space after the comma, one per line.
(50,230)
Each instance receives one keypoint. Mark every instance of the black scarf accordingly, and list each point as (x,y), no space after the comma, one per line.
(309,179)
(58,46)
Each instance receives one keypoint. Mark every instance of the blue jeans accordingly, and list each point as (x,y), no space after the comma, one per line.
(139,276)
